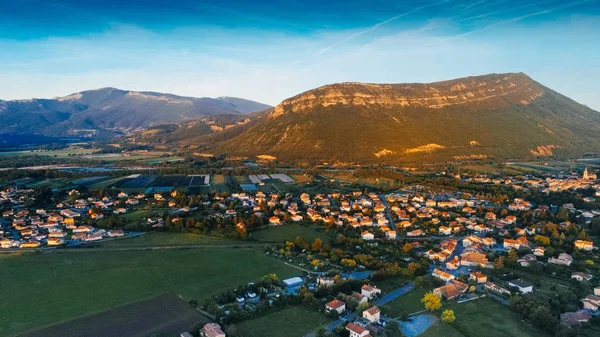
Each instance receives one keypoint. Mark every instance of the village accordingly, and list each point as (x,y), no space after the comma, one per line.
(460,247)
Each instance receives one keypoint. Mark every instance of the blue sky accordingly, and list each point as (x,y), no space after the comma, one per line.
(268,51)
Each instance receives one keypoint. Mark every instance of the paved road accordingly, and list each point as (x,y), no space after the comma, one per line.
(389,213)
(379,302)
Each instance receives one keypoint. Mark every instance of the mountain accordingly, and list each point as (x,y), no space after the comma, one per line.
(110,109)
(490,116)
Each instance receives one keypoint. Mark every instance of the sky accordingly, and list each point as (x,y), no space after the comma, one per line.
(270,50)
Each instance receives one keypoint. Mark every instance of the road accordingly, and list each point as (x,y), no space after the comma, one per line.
(379,302)
(389,213)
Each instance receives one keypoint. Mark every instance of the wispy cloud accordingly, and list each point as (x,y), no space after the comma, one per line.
(364,31)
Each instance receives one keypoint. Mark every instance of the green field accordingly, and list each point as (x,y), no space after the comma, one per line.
(439,329)
(407,304)
(489,318)
(43,289)
(169,239)
(290,232)
(294,321)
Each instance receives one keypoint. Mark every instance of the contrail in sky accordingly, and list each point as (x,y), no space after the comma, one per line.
(350,37)
(519,18)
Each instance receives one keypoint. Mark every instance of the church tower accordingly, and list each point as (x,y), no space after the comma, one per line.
(586,175)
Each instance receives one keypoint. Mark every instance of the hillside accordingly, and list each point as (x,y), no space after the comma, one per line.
(109,109)
(489,116)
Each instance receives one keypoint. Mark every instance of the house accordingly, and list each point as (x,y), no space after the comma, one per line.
(369,291)
(579,276)
(115,233)
(447,292)
(360,298)
(539,251)
(185,334)
(453,264)
(336,305)
(325,282)
(416,232)
(367,236)
(296,218)
(584,245)
(55,241)
(523,286)
(390,234)
(442,275)
(597,291)
(69,213)
(443,230)
(496,288)
(591,302)
(575,318)
(474,259)
(30,244)
(274,220)
(212,330)
(372,314)
(526,260)
(562,259)
(478,277)
(357,330)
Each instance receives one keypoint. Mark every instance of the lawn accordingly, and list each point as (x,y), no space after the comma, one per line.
(391,283)
(40,289)
(491,319)
(169,239)
(290,232)
(440,328)
(294,321)
(406,304)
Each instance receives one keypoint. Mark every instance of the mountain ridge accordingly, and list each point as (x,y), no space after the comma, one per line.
(489,116)
(111,109)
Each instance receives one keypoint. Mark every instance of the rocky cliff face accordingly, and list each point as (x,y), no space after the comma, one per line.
(497,89)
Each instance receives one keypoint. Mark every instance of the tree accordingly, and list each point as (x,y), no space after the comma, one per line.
(499,264)
(419,281)
(431,301)
(321,332)
(512,257)
(407,248)
(317,245)
(448,316)
(363,306)
(392,329)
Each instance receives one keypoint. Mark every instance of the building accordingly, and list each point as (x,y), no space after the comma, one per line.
(584,245)
(442,275)
(496,288)
(447,292)
(369,291)
(562,259)
(357,330)
(579,276)
(293,282)
(523,286)
(212,330)
(575,318)
(372,314)
(336,305)
(478,277)
(367,236)
(591,302)
(325,282)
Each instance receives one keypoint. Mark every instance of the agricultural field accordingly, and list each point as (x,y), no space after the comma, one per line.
(44,289)
(154,239)
(294,321)
(290,232)
(139,319)
(64,153)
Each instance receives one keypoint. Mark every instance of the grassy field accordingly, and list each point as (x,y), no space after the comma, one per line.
(43,289)
(294,321)
(392,283)
(490,319)
(290,232)
(169,239)
(51,153)
(407,304)
(440,328)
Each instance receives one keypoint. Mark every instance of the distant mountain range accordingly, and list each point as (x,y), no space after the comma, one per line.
(490,116)
(110,111)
